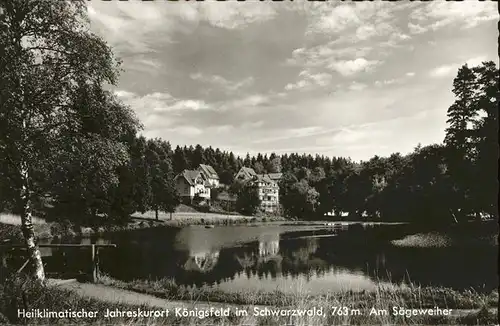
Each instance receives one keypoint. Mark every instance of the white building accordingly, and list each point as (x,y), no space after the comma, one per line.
(267,188)
(190,183)
(209,174)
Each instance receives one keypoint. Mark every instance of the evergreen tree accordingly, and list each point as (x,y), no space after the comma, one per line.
(198,156)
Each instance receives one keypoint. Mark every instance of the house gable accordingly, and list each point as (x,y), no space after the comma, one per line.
(245,173)
(208,171)
(192,177)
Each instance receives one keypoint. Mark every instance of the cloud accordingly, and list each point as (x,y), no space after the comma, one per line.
(355,135)
(351,67)
(335,18)
(188,131)
(246,102)
(438,14)
(365,32)
(235,14)
(451,69)
(124,95)
(294,133)
(444,70)
(138,26)
(386,82)
(119,22)
(325,54)
(416,28)
(393,81)
(310,80)
(222,82)
(355,86)
(183,105)
(151,108)
(476,61)
(227,75)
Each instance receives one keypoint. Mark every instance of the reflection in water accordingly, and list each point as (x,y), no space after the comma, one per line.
(293,258)
(202,261)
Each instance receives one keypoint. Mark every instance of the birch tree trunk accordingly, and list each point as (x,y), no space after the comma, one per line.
(27,227)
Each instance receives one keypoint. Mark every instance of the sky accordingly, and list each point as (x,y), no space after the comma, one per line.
(331,78)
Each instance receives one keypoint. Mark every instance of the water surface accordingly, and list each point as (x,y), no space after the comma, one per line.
(314,259)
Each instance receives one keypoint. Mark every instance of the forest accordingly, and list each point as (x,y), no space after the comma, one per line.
(69,144)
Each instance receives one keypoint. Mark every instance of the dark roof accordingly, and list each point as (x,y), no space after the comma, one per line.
(264,178)
(209,171)
(272,176)
(249,172)
(190,176)
(259,178)
(275,176)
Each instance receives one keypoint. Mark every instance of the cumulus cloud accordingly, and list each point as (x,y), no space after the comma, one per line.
(230,77)
(246,102)
(149,107)
(437,14)
(235,14)
(451,69)
(137,26)
(444,70)
(222,82)
(309,80)
(355,86)
(325,54)
(392,81)
(290,133)
(416,28)
(351,67)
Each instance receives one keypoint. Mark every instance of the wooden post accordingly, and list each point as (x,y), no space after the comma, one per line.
(97,263)
(4,259)
(94,265)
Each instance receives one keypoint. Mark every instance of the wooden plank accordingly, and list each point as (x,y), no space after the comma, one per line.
(57,282)
(94,265)
(24,265)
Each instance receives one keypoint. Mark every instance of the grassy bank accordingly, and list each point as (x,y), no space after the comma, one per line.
(441,240)
(10,227)
(409,296)
(55,299)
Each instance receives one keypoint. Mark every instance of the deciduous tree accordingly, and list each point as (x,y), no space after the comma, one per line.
(52,72)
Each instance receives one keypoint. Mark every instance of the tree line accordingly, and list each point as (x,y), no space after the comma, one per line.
(435,184)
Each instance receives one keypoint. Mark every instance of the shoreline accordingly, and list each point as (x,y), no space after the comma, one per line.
(49,230)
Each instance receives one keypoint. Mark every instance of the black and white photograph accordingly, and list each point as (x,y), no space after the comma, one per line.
(257,162)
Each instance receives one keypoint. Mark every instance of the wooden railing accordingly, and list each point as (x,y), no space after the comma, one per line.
(94,257)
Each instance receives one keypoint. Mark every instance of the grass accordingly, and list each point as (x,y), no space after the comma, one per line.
(55,299)
(12,219)
(10,224)
(407,295)
(199,218)
(441,240)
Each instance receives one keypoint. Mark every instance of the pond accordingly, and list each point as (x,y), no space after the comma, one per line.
(312,259)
